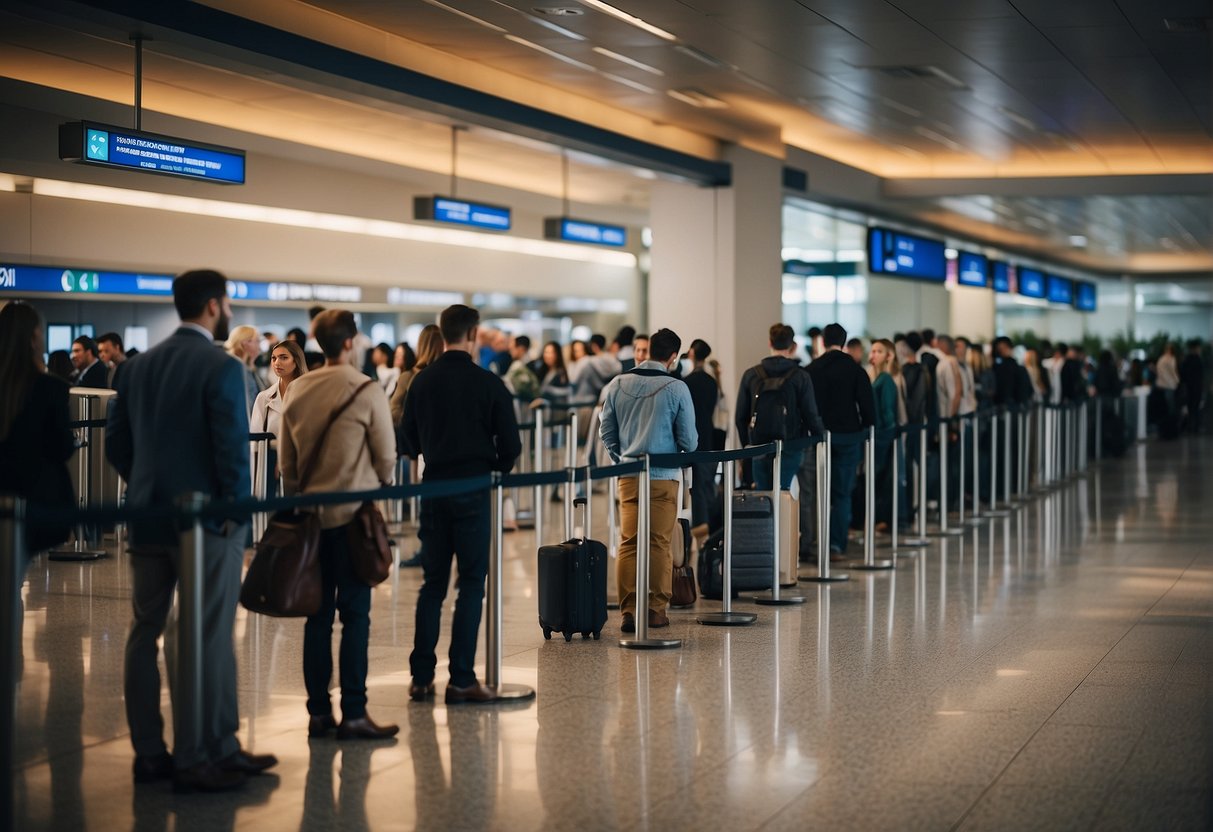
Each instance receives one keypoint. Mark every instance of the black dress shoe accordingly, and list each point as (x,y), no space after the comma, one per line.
(205,777)
(628,625)
(243,762)
(319,726)
(470,694)
(409,563)
(364,728)
(420,693)
(152,769)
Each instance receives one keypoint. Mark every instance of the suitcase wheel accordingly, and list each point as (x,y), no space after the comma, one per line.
(597,635)
(585,635)
(547,633)
(568,636)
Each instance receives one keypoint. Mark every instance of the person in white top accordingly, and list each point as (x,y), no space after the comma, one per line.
(385,370)
(968,386)
(1167,369)
(949,383)
(1053,366)
(287,364)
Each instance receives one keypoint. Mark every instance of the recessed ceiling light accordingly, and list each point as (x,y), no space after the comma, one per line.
(629,61)
(620,14)
(465,15)
(697,98)
(551,53)
(560,30)
(1078,241)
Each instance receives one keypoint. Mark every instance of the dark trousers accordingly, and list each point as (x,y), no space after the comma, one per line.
(703,493)
(844,465)
(344,593)
(457,526)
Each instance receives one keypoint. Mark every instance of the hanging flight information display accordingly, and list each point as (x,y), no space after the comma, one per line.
(89,143)
(905,255)
(1030,282)
(971,269)
(1000,277)
(1059,289)
(1084,296)
(584,231)
(460,212)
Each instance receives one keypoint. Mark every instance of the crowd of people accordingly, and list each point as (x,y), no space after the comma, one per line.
(343,410)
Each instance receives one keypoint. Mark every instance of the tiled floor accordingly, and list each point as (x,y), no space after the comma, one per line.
(1050,670)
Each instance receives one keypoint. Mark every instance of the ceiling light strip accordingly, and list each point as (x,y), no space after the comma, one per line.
(465,15)
(628,82)
(320,221)
(551,53)
(632,20)
(629,61)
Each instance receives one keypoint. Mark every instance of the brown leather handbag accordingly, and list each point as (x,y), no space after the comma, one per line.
(284,578)
(370,552)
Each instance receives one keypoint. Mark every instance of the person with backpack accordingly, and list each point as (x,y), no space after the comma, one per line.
(844,399)
(775,400)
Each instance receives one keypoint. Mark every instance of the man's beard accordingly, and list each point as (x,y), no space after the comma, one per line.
(222,325)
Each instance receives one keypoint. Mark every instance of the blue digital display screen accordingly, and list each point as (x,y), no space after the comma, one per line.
(905,255)
(1030,282)
(584,231)
(1060,289)
(971,269)
(108,146)
(83,281)
(1000,276)
(460,212)
(1084,296)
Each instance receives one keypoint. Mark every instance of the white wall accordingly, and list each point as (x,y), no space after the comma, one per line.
(971,312)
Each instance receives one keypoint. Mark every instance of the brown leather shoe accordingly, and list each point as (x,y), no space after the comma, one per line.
(246,763)
(628,624)
(205,777)
(153,768)
(472,694)
(658,619)
(364,728)
(320,726)
(420,693)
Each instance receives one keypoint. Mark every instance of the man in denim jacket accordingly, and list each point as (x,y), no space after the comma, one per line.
(648,411)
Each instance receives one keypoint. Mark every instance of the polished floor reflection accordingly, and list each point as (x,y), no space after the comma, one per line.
(1048,670)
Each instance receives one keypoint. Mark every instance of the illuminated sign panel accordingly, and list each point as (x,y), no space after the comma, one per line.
(1030,282)
(971,269)
(571,230)
(89,143)
(460,212)
(905,255)
(1000,276)
(1084,296)
(1060,289)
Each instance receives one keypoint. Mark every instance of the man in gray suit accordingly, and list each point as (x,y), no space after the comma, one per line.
(179,424)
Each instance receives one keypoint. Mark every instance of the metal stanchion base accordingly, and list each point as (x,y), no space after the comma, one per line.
(507,692)
(649,643)
(769,600)
(727,619)
(76,555)
(971,521)
(951,531)
(898,553)
(913,543)
(997,512)
(874,566)
(825,579)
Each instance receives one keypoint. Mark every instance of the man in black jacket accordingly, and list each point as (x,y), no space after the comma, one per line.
(705,393)
(791,391)
(461,418)
(90,371)
(1192,378)
(844,399)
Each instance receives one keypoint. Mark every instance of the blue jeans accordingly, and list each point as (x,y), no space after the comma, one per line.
(844,465)
(460,527)
(344,593)
(787,470)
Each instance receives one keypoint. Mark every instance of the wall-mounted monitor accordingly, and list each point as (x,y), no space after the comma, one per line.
(971,269)
(89,143)
(905,255)
(1084,296)
(1059,289)
(1030,282)
(1000,276)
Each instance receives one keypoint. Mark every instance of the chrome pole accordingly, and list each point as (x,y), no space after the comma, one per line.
(80,550)
(726,617)
(824,455)
(188,702)
(774,598)
(538,496)
(944,529)
(994,510)
(12,571)
(1008,434)
(870,563)
(643,554)
(493,624)
(1098,430)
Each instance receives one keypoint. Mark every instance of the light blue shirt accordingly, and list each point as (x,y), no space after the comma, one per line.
(648,412)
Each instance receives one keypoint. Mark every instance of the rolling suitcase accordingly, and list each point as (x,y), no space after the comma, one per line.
(572,587)
(753,540)
(789,539)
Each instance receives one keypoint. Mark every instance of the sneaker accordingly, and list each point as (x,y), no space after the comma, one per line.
(629,623)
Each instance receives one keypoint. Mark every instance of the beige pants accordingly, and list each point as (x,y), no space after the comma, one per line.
(663,512)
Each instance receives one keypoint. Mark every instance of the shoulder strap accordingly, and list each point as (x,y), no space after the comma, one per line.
(305,474)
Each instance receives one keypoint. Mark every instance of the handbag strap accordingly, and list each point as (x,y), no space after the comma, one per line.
(305,473)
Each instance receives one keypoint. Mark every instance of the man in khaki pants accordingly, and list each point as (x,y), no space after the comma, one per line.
(648,411)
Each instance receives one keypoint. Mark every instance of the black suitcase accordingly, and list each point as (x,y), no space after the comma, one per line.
(753,548)
(572,588)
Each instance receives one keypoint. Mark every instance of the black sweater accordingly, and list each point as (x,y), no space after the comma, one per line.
(844,392)
(461,418)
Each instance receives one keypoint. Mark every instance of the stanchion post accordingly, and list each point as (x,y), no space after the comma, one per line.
(613,516)
(537,510)
(12,569)
(643,554)
(975,514)
(1007,435)
(188,699)
(774,598)
(921,488)
(960,466)
(1098,430)
(80,549)
(824,455)
(726,617)
(944,529)
(493,624)
(899,448)
(870,563)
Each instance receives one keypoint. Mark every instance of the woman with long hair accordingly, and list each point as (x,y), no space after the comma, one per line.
(429,349)
(383,358)
(244,344)
(287,363)
(1040,380)
(885,373)
(35,440)
(554,383)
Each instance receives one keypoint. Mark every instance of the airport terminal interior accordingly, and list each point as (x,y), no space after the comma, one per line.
(1026,643)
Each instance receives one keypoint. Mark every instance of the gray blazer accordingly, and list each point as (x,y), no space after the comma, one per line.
(179,424)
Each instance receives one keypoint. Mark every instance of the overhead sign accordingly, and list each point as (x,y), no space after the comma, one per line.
(1059,289)
(1084,296)
(1030,282)
(905,255)
(571,230)
(971,269)
(82,281)
(459,212)
(89,143)
(1000,277)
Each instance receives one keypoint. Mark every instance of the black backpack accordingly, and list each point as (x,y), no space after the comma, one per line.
(769,406)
